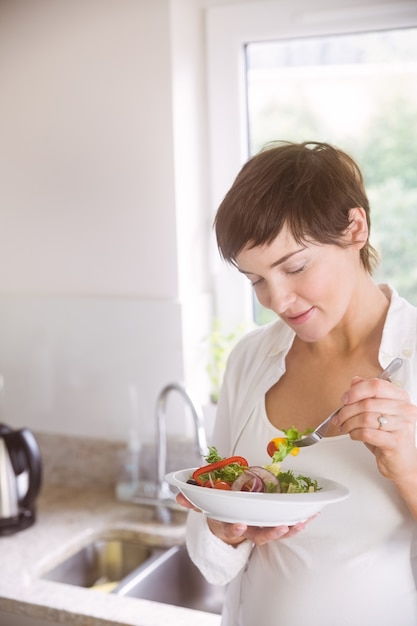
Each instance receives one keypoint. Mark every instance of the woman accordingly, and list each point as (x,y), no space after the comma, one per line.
(296,223)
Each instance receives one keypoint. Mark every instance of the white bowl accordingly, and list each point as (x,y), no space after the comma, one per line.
(258,509)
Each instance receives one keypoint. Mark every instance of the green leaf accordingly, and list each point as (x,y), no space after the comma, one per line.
(213,456)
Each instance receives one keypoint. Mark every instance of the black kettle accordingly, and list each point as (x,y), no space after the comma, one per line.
(20,478)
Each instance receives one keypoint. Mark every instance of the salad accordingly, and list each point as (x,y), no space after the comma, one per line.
(236,474)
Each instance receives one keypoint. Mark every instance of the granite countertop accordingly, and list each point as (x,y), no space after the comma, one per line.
(69,514)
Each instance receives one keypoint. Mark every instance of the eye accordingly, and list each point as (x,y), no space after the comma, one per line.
(255,283)
(297,270)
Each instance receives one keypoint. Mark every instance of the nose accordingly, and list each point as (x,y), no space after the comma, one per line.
(281,300)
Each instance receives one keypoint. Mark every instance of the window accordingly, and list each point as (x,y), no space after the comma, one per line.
(358,91)
(347,75)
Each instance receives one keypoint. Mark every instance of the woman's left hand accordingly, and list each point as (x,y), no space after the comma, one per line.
(381,415)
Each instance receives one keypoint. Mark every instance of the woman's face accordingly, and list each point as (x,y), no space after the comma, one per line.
(311,287)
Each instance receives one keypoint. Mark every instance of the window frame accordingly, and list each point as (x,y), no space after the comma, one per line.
(228,29)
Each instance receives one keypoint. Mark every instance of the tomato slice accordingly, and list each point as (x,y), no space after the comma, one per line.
(222,484)
(274,444)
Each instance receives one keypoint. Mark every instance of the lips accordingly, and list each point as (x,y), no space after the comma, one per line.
(300,318)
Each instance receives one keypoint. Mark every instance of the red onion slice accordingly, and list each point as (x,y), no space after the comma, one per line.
(266,476)
(248,481)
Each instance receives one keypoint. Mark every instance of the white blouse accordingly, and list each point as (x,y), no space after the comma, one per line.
(353,564)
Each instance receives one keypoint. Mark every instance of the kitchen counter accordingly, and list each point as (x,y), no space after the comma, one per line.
(66,518)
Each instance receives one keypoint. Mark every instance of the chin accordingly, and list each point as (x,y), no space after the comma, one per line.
(310,336)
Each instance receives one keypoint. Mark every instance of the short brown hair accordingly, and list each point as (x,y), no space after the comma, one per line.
(310,187)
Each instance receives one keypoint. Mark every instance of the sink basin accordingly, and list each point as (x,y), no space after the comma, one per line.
(134,568)
(103,563)
(172,578)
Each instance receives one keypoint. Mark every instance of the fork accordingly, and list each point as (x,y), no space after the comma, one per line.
(319,432)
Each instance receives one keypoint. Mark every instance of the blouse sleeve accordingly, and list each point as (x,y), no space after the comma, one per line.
(217,561)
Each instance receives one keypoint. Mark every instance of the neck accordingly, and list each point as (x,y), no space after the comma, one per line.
(360,330)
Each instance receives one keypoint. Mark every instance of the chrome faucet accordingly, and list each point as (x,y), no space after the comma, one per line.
(163,490)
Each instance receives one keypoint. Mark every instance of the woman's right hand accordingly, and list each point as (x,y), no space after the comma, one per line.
(234,534)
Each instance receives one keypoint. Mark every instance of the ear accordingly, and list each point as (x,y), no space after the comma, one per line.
(357,232)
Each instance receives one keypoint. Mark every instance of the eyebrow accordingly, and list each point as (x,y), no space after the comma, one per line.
(275,263)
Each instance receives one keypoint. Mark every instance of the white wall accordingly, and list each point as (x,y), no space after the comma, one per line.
(104,222)
(87,174)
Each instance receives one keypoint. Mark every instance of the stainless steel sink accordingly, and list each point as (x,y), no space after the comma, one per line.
(132,567)
(172,578)
(103,563)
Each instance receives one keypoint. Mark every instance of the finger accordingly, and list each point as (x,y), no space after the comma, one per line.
(260,536)
(371,388)
(300,526)
(182,500)
(381,427)
(236,533)
(230,533)
(264,535)
(388,414)
(365,419)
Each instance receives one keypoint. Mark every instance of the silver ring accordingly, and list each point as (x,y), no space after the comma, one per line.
(382,421)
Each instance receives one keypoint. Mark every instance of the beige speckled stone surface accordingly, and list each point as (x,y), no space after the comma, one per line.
(82,461)
(68,516)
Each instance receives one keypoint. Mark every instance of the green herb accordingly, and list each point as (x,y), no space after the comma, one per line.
(213,456)
(228,473)
(286,445)
(296,484)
